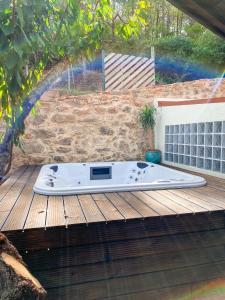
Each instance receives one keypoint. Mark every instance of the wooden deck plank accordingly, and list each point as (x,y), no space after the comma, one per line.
(177,208)
(6,185)
(123,267)
(90,209)
(9,199)
(184,194)
(138,205)
(210,196)
(215,182)
(19,209)
(114,288)
(161,209)
(55,212)
(212,181)
(3,216)
(186,203)
(219,187)
(109,211)
(213,192)
(37,213)
(18,215)
(109,260)
(73,211)
(123,207)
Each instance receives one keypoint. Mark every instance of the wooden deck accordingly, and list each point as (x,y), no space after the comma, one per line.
(21,209)
(139,245)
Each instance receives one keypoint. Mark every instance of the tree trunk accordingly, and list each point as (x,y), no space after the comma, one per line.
(5,160)
(177,27)
(151,142)
(16,282)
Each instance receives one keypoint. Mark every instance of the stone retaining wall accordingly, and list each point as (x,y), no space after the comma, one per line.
(97,127)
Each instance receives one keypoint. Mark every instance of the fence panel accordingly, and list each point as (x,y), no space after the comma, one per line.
(128,71)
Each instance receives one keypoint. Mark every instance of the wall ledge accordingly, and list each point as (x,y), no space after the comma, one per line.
(191,102)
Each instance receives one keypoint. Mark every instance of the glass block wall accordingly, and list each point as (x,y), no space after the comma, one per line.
(200,145)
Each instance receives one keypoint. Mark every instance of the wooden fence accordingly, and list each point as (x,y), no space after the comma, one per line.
(128,71)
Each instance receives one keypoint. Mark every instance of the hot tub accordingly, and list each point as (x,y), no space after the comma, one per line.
(82,178)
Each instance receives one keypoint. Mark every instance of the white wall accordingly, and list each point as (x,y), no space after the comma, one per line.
(182,114)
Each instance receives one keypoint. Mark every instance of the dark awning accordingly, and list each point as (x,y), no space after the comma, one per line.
(210,13)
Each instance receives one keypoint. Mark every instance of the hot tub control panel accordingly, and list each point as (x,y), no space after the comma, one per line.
(100,173)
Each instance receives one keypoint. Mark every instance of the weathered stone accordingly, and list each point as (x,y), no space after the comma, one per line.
(43,134)
(63,150)
(108,158)
(99,110)
(59,159)
(33,148)
(131,125)
(122,132)
(89,120)
(61,109)
(80,151)
(127,109)
(60,131)
(81,111)
(63,118)
(39,119)
(112,110)
(65,142)
(38,160)
(51,94)
(123,146)
(103,149)
(106,131)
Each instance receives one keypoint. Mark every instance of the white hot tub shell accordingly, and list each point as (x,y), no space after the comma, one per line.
(82,178)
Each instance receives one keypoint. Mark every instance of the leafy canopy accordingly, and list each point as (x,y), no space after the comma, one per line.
(34,33)
(28,30)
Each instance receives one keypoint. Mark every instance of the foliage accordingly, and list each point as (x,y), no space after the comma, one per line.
(190,49)
(210,49)
(147,117)
(177,46)
(182,58)
(35,33)
(27,29)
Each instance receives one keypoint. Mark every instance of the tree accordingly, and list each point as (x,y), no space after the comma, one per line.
(34,33)
(147,119)
(27,29)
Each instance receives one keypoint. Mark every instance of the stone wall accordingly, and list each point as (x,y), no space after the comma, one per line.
(97,127)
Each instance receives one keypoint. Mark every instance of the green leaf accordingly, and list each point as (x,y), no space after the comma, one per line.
(12,59)
(26,37)
(4,44)
(19,79)
(20,15)
(7,29)
(14,88)
(17,47)
(4,4)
